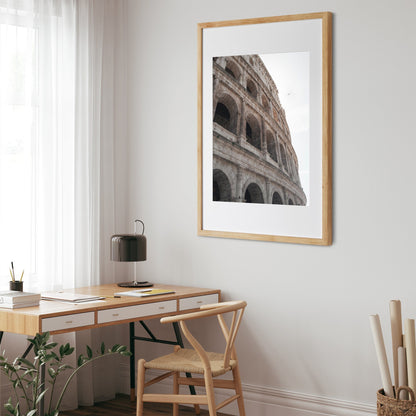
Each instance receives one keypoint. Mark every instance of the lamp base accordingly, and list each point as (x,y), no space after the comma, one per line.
(135,284)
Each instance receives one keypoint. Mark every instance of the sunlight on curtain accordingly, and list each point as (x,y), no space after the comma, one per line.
(62,102)
(18,132)
(53,86)
(37,140)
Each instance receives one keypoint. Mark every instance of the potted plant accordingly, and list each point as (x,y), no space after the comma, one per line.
(30,386)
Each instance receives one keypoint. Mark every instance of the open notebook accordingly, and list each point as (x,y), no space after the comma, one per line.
(70,297)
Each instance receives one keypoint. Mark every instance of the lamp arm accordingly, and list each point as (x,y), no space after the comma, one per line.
(135,226)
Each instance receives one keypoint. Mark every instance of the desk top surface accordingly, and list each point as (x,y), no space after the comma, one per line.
(52,307)
(29,320)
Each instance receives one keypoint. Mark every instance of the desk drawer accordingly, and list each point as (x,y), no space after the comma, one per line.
(136,311)
(197,301)
(67,321)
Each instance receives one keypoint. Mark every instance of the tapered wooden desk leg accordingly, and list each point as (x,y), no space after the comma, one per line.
(140,387)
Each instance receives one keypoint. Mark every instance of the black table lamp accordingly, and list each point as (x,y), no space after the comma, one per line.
(130,247)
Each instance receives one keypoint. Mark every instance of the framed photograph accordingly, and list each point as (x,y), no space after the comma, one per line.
(265,129)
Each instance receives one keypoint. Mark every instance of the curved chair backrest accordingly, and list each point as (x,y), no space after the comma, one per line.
(229,332)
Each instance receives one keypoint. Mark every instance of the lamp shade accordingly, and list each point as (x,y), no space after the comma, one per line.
(128,247)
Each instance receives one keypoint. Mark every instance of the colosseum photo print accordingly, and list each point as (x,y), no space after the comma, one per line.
(264,129)
(255,159)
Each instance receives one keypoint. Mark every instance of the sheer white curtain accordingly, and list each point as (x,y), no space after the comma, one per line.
(57,103)
(61,107)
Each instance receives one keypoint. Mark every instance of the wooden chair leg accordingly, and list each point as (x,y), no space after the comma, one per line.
(140,387)
(209,388)
(239,390)
(175,391)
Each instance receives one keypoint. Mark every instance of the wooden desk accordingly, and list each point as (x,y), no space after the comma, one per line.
(59,317)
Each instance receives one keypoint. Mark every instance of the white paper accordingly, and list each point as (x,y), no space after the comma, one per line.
(409,330)
(396,335)
(402,366)
(381,355)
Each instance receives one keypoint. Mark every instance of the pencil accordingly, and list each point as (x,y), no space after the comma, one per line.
(13,272)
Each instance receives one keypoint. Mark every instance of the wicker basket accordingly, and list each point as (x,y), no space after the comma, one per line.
(387,406)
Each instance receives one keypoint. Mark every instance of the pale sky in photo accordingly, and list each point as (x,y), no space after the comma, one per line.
(290,72)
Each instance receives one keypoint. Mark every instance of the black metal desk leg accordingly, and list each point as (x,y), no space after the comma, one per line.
(132,364)
(42,381)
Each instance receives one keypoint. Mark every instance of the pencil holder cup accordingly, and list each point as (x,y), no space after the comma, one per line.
(16,285)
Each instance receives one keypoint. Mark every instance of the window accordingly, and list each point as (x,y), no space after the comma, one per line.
(271,146)
(37,113)
(251,88)
(226,113)
(277,199)
(221,186)
(253,194)
(19,128)
(283,156)
(253,131)
(222,116)
(54,137)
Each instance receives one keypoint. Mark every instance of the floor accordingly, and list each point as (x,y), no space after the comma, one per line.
(122,406)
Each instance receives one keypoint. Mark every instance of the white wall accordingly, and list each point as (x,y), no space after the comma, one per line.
(306,330)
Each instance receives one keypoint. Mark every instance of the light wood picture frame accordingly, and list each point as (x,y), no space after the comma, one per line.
(265,129)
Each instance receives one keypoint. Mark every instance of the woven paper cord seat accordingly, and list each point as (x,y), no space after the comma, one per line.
(188,361)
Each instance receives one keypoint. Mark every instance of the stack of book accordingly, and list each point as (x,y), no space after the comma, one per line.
(13,299)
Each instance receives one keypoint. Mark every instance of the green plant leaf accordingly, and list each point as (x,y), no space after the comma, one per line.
(64,367)
(89,352)
(52,372)
(50,346)
(80,360)
(114,347)
(30,372)
(121,348)
(32,412)
(27,363)
(49,357)
(41,395)
(9,407)
(102,348)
